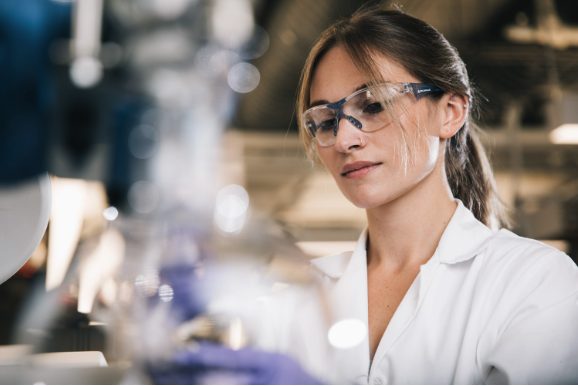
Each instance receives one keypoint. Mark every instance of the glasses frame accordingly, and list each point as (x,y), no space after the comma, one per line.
(419,90)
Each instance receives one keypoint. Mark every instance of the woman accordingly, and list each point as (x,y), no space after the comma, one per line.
(384,104)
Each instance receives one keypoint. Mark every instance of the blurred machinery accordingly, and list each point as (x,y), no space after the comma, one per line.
(126,104)
(151,244)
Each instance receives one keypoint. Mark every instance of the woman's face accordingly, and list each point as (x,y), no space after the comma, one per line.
(369,167)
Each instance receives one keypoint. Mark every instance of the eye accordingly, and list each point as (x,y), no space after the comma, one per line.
(373,108)
(327,125)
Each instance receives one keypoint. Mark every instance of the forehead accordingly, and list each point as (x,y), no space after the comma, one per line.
(336,76)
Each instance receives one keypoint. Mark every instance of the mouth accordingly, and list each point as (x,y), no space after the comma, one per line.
(358,169)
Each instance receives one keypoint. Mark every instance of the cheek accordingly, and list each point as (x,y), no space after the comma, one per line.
(423,143)
(326,157)
(424,155)
(321,155)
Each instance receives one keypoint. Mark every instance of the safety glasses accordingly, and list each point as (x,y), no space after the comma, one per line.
(366,109)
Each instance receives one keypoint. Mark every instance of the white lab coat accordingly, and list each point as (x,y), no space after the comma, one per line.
(488,307)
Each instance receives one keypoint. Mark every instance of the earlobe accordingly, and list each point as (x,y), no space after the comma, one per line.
(455,114)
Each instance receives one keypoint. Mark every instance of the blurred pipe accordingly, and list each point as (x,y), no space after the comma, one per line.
(86,68)
(87,26)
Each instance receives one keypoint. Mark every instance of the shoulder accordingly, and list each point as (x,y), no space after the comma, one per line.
(533,289)
(507,243)
(523,267)
(508,249)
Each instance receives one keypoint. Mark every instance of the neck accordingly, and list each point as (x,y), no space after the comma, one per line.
(406,231)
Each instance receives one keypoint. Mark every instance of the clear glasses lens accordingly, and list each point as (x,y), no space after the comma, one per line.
(366,110)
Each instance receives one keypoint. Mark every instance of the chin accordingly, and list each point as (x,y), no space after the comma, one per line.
(368,201)
(372,199)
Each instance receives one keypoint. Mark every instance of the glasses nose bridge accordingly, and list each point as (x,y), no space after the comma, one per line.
(339,108)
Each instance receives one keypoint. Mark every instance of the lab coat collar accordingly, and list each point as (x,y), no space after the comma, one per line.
(462,239)
(335,266)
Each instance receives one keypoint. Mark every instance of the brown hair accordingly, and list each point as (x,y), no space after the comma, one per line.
(427,55)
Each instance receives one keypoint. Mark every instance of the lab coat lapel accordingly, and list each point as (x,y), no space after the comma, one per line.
(348,290)
(407,309)
(462,240)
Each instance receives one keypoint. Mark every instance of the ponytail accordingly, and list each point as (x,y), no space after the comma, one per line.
(471,178)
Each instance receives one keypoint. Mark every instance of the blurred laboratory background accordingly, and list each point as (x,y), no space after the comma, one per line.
(167,126)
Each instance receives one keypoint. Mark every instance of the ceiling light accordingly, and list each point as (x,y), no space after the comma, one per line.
(566,134)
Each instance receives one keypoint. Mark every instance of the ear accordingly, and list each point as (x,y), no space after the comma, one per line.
(454,113)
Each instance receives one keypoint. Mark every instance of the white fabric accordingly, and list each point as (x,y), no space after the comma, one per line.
(488,307)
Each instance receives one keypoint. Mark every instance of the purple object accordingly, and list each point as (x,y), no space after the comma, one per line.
(212,363)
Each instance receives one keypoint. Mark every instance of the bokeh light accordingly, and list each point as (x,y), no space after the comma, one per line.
(110,213)
(143,197)
(243,77)
(166,293)
(232,22)
(347,333)
(231,208)
(86,72)
(143,141)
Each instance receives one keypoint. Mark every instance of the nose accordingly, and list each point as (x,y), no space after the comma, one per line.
(349,138)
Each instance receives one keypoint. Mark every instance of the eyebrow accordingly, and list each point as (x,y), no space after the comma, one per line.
(320,102)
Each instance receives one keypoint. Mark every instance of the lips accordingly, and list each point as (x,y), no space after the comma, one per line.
(358,169)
